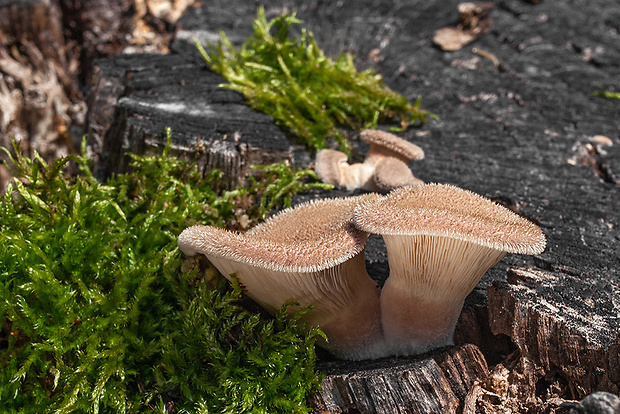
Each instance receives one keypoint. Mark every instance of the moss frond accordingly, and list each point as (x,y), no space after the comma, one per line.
(305,91)
(607,94)
(100,314)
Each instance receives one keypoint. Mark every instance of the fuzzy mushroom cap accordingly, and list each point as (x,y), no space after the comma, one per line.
(283,256)
(392,173)
(310,254)
(313,220)
(446,210)
(383,143)
(442,239)
(329,164)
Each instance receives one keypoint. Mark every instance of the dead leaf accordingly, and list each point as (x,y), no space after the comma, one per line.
(474,21)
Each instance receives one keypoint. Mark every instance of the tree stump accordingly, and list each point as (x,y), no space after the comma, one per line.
(518,123)
(135,97)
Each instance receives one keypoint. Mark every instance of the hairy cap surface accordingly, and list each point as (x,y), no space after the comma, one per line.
(312,220)
(446,210)
(393,143)
(285,256)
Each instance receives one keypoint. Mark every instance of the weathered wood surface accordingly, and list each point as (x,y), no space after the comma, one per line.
(137,96)
(438,383)
(47,49)
(597,403)
(520,132)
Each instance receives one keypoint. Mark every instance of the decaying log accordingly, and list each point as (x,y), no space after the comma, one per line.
(435,383)
(135,97)
(103,28)
(597,403)
(47,50)
(40,99)
(519,124)
(571,333)
(97,28)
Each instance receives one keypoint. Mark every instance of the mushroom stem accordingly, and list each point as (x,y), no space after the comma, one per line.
(358,175)
(407,334)
(443,270)
(353,330)
(351,322)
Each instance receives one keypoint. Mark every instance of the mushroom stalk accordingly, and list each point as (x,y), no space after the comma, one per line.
(309,254)
(440,241)
(351,320)
(444,271)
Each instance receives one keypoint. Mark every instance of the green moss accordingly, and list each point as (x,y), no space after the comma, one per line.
(607,94)
(305,91)
(97,315)
(243,362)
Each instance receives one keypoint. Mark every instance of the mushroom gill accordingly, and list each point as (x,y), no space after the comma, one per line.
(309,254)
(440,241)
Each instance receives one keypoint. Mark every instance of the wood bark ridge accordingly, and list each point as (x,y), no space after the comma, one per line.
(518,124)
(438,383)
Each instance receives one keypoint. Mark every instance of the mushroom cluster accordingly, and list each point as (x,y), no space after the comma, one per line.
(440,241)
(384,168)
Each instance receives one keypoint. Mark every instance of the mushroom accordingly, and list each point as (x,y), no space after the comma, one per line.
(328,165)
(384,144)
(388,155)
(440,241)
(331,167)
(391,173)
(384,167)
(310,254)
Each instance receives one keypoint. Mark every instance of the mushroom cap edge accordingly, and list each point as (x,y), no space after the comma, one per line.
(449,211)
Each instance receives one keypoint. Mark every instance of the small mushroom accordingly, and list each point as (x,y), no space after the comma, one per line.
(384,167)
(384,144)
(312,255)
(391,173)
(389,155)
(331,167)
(329,164)
(440,241)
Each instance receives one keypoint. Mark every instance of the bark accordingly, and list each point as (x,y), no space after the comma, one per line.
(136,97)
(437,383)
(39,98)
(518,123)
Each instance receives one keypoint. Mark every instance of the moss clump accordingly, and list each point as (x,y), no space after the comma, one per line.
(305,91)
(607,94)
(241,363)
(98,316)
